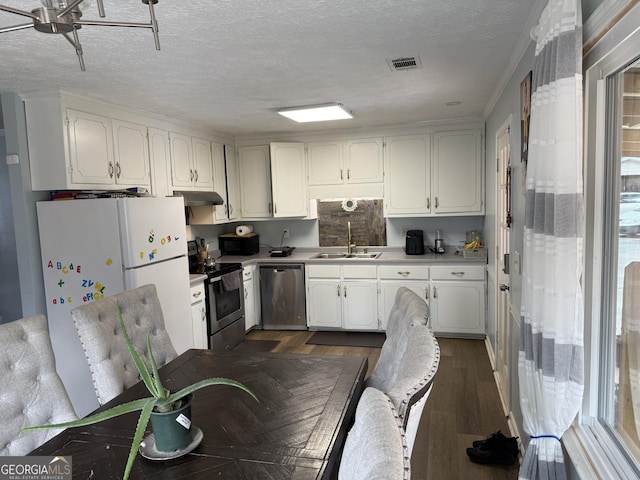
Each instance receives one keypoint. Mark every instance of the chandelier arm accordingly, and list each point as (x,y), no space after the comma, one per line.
(154,25)
(75,41)
(22,26)
(112,24)
(101,9)
(17,11)
(69,7)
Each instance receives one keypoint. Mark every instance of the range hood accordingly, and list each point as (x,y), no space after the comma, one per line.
(198,199)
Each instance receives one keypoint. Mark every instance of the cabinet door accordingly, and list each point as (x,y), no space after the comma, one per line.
(324,160)
(90,148)
(202,164)
(363,160)
(324,303)
(408,175)
(360,305)
(254,167)
(233,186)
(159,159)
(289,180)
(131,153)
(457,173)
(199,317)
(250,320)
(219,182)
(387,296)
(182,174)
(457,308)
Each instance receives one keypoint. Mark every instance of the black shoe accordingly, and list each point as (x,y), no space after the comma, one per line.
(498,440)
(491,456)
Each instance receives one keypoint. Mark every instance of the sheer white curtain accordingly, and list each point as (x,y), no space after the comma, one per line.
(551,356)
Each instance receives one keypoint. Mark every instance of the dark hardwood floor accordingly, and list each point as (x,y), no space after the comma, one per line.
(464,406)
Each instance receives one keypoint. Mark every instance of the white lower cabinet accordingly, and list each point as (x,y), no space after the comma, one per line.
(392,277)
(251,313)
(199,316)
(342,296)
(458,300)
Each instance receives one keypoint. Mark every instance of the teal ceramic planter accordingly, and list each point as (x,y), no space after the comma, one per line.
(172,430)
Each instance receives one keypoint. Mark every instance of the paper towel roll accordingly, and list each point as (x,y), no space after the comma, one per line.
(243,230)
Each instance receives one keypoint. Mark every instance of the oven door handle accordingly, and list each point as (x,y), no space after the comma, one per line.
(215,279)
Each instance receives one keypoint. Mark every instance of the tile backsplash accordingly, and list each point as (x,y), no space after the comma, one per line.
(368,226)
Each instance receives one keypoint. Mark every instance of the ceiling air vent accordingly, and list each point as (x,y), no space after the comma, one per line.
(404,63)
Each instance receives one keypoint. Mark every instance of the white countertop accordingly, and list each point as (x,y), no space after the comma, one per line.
(388,255)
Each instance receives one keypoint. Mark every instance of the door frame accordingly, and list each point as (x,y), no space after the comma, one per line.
(504,191)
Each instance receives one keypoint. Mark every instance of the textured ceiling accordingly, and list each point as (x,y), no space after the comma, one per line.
(229,65)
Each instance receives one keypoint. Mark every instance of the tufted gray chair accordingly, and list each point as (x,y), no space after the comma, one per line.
(98,326)
(32,392)
(408,360)
(375,448)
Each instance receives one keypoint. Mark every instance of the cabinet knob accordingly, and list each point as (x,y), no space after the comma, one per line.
(435,292)
(428,203)
(110,169)
(437,204)
(404,274)
(457,274)
(118,170)
(191,174)
(196,294)
(345,291)
(196,174)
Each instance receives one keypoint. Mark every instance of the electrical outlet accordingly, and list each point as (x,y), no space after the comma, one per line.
(285,233)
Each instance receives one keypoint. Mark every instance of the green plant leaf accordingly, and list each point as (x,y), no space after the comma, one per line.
(162,393)
(143,420)
(98,417)
(205,383)
(142,367)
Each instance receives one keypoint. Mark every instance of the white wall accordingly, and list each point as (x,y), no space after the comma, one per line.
(508,104)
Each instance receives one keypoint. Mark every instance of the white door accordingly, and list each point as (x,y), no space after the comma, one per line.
(254,166)
(171,279)
(503,227)
(289,180)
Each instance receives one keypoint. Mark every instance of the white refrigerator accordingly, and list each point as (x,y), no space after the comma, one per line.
(99,247)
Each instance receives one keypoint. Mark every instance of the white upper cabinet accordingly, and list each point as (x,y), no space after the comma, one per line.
(159,159)
(428,176)
(219,182)
(289,180)
(233,183)
(363,159)
(75,144)
(191,162)
(131,153)
(458,173)
(254,168)
(325,163)
(407,187)
(90,148)
(345,162)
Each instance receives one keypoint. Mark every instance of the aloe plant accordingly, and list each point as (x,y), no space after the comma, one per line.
(161,399)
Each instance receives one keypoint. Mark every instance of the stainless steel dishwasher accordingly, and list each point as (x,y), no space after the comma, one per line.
(282,296)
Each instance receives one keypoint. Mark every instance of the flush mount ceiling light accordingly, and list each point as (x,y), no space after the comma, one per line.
(63,17)
(316,113)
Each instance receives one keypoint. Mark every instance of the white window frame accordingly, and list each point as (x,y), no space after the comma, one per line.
(589,444)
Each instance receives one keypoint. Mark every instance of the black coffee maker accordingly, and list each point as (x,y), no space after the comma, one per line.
(414,242)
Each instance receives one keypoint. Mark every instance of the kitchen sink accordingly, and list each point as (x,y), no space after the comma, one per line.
(330,255)
(347,255)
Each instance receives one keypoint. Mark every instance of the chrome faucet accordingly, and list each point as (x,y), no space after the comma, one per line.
(351,245)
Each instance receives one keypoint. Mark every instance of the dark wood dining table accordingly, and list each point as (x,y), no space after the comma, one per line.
(306,407)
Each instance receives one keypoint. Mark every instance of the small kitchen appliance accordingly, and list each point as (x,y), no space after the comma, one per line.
(414,244)
(439,242)
(232,244)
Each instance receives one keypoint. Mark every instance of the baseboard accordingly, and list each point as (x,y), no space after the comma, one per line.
(490,352)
